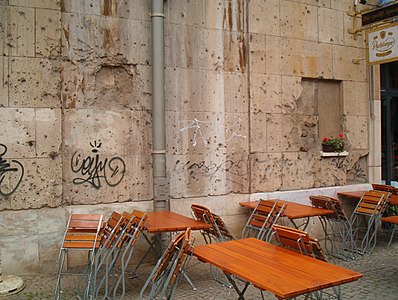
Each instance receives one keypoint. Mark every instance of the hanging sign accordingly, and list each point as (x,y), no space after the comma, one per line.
(382,44)
(381,14)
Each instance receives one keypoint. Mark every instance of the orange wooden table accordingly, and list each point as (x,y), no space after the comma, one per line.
(282,272)
(168,221)
(294,211)
(358,195)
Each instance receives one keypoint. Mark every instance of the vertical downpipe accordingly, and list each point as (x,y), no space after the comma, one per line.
(161,186)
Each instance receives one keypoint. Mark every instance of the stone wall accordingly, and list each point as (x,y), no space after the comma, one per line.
(75,104)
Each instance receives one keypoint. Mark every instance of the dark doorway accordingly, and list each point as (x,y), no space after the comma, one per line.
(389,121)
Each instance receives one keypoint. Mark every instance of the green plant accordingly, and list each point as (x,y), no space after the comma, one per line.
(337,143)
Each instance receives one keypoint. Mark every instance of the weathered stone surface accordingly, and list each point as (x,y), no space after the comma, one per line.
(34,82)
(228,15)
(357,131)
(191,13)
(357,170)
(266,91)
(296,19)
(40,184)
(211,174)
(350,39)
(343,66)
(18,131)
(330,22)
(297,98)
(48,32)
(257,53)
(3,81)
(266,172)
(51,4)
(22,36)
(298,175)
(265,25)
(48,132)
(202,133)
(356,98)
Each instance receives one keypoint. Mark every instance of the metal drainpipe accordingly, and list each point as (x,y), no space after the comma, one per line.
(161,186)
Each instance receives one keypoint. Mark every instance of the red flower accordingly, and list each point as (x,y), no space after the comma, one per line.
(341,135)
(325,139)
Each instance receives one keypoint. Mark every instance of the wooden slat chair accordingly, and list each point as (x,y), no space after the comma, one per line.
(368,211)
(300,241)
(336,226)
(264,216)
(384,188)
(219,231)
(168,271)
(131,234)
(394,221)
(82,234)
(111,234)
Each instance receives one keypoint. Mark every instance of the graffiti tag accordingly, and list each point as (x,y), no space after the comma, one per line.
(93,168)
(10,172)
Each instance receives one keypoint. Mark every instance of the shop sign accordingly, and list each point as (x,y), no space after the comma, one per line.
(380,14)
(382,44)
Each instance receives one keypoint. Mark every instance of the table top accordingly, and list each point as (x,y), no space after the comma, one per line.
(294,210)
(168,221)
(280,271)
(358,195)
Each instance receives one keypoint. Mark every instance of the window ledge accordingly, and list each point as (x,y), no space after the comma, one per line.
(333,154)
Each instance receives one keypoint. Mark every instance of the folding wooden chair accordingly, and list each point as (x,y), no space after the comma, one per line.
(82,234)
(338,239)
(219,230)
(384,188)
(167,273)
(261,220)
(368,212)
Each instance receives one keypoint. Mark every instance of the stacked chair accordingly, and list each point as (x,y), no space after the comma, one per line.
(300,241)
(114,241)
(266,214)
(164,278)
(366,218)
(218,231)
(336,227)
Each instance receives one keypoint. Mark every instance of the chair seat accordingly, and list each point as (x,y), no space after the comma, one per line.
(390,219)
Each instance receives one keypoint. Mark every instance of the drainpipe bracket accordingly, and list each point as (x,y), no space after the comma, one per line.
(157,15)
(158,151)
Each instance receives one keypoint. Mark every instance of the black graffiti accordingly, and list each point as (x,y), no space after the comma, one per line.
(201,169)
(359,173)
(93,169)
(13,170)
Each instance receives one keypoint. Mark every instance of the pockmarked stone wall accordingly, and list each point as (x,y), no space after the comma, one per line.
(241,118)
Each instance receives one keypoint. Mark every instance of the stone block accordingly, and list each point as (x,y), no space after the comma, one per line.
(258,132)
(138,9)
(265,25)
(356,98)
(227,15)
(50,4)
(266,172)
(91,7)
(22,35)
(330,171)
(357,40)
(226,92)
(320,3)
(206,175)
(191,13)
(297,170)
(357,132)
(343,5)
(330,26)
(343,66)
(357,167)
(4,80)
(202,133)
(40,184)
(48,33)
(296,19)
(305,58)
(48,132)
(297,98)
(266,91)
(18,242)
(18,132)
(257,53)
(5,17)
(34,82)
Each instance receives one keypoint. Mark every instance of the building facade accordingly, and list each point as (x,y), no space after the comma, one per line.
(251,89)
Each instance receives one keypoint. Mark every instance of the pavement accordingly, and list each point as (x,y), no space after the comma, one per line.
(380,270)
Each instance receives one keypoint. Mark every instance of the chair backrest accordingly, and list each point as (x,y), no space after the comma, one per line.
(165,275)
(330,203)
(299,241)
(372,203)
(82,231)
(112,230)
(263,217)
(219,230)
(383,187)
